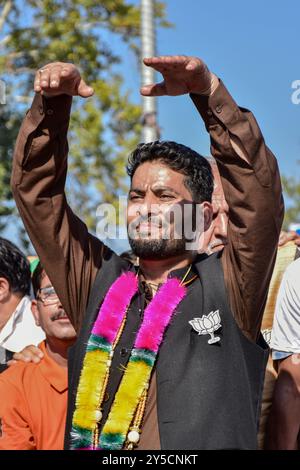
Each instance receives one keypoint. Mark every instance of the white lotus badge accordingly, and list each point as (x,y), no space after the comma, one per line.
(207,325)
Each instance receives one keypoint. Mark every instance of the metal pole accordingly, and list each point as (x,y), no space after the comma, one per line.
(150,127)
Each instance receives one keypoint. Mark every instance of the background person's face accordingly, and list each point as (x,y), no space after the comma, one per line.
(216,235)
(52,318)
(157,193)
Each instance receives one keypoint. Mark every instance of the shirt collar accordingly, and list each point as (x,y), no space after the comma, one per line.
(17,315)
(56,375)
(20,330)
(190,272)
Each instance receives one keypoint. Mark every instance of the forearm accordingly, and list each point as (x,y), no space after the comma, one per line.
(239,148)
(252,188)
(39,173)
(284,420)
(283,426)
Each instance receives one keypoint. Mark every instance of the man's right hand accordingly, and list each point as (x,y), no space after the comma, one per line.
(286,237)
(60,78)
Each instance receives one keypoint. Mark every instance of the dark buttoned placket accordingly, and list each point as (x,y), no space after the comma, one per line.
(122,354)
(126,342)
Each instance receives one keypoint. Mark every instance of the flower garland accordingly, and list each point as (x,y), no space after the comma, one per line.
(97,361)
(98,357)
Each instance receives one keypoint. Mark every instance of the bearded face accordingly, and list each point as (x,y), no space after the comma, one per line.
(163,221)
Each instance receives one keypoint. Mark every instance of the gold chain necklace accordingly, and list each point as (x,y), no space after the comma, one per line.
(182,283)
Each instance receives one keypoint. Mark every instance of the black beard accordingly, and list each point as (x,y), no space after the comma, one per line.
(158,248)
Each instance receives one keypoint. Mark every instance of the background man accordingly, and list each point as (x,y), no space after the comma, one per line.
(17,326)
(33,401)
(286,253)
(284,420)
(216,235)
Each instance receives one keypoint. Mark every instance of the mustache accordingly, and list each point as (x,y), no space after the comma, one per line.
(154,219)
(60,313)
(217,242)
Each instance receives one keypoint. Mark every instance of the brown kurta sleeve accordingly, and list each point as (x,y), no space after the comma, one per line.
(253,192)
(69,254)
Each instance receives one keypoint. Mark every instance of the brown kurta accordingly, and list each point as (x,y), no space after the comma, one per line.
(71,256)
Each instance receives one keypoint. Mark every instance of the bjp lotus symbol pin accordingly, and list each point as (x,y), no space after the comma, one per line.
(207,325)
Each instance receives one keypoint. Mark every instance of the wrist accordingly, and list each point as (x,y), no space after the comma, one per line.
(51,95)
(212,85)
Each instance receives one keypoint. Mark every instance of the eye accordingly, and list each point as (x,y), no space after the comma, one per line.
(166,196)
(134,197)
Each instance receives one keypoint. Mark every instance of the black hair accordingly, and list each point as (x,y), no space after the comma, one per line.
(14,267)
(178,157)
(37,277)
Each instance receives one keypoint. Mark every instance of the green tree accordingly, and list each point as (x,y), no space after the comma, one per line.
(9,124)
(103,128)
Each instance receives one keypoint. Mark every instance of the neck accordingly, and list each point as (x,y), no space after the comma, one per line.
(7,308)
(58,350)
(157,270)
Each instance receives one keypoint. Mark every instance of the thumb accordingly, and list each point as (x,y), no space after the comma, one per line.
(158,89)
(11,362)
(84,90)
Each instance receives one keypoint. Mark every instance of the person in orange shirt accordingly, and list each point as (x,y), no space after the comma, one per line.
(33,396)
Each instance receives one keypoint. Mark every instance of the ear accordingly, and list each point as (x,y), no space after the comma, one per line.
(207,214)
(4,289)
(35,312)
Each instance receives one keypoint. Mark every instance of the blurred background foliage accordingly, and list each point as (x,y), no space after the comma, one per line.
(104,128)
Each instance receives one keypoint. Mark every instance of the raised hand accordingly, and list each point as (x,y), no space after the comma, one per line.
(182,74)
(60,78)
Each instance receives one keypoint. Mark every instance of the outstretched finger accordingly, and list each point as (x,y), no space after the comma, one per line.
(42,75)
(34,350)
(158,65)
(21,357)
(164,63)
(11,362)
(44,78)
(158,89)
(55,76)
(37,82)
(166,59)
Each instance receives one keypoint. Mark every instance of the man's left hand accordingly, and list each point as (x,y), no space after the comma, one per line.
(286,237)
(29,354)
(182,74)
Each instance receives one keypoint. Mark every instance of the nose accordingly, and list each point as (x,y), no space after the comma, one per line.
(221,225)
(149,206)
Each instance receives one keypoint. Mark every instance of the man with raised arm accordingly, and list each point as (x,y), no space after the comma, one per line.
(169,354)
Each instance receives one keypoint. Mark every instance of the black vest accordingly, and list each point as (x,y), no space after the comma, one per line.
(208,395)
